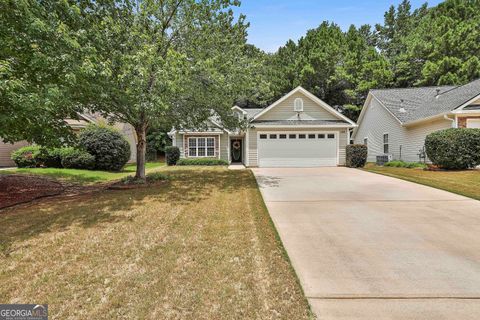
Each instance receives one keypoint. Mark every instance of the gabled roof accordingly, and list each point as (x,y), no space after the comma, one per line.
(309,95)
(414,104)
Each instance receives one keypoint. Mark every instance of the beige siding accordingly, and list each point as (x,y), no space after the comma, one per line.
(252,135)
(6,150)
(224,146)
(311,110)
(377,121)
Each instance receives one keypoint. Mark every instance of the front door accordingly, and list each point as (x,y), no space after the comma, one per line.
(236,150)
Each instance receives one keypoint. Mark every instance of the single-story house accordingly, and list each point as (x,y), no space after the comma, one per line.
(395,122)
(76,125)
(298,130)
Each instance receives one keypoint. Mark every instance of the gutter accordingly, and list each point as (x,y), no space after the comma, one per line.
(453,120)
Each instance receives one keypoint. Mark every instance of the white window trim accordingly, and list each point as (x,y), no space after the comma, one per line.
(475,120)
(388,142)
(365,139)
(197,147)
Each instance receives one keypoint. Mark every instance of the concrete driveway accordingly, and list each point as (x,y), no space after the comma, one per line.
(367,246)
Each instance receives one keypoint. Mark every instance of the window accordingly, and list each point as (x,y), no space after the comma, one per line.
(292,136)
(331,136)
(301,136)
(365,141)
(298,105)
(263,136)
(273,136)
(311,136)
(282,136)
(473,123)
(321,136)
(385,143)
(201,146)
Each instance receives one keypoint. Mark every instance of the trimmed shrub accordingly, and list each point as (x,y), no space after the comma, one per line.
(28,157)
(110,149)
(150,178)
(456,148)
(52,158)
(403,164)
(356,155)
(77,159)
(172,155)
(202,162)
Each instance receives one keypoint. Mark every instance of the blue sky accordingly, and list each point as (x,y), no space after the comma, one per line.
(273,22)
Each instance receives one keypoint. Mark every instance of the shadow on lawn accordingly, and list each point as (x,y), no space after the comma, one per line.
(88,210)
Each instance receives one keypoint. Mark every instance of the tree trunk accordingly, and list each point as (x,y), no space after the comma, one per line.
(141,151)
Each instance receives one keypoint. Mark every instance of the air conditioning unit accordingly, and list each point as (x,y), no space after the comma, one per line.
(381,160)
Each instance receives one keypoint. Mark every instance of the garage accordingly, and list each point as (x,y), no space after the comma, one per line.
(297,149)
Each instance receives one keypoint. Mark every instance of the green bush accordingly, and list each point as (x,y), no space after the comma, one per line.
(77,159)
(151,177)
(456,148)
(28,157)
(356,155)
(172,154)
(403,164)
(52,157)
(110,149)
(202,162)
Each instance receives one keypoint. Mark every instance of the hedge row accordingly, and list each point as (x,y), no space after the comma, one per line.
(202,162)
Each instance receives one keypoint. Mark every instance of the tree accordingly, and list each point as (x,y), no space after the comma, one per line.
(38,61)
(151,62)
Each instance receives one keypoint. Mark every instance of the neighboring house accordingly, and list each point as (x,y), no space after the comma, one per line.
(298,130)
(395,122)
(84,119)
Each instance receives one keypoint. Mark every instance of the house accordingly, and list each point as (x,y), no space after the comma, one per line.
(76,125)
(298,130)
(395,122)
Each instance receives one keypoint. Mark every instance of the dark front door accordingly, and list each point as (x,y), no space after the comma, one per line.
(236,150)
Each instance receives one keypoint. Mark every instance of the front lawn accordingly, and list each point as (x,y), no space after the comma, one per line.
(465,182)
(84,176)
(199,246)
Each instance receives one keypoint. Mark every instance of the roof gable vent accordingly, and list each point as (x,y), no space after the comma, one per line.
(298,105)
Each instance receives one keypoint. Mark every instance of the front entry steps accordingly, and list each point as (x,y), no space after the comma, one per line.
(236,166)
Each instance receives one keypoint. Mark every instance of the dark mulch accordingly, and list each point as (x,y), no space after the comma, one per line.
(16,189)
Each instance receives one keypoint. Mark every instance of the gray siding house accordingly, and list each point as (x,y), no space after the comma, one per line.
(298,130)
(395,122)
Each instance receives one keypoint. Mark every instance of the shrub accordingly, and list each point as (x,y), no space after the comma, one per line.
(77,159)
(403,164)
(28,157)
(172,154)
(110,149)
(151,177)
(356,155)
(202,162)
(454,148)
(52,157)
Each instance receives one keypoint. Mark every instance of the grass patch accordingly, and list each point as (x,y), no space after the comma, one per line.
(84,176)
(200,247)
(403,164)
(465,182)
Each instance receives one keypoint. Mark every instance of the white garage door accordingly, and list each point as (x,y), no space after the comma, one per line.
(293,149)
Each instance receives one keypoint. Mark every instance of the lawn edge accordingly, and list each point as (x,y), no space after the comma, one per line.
(282,247)
(392,175)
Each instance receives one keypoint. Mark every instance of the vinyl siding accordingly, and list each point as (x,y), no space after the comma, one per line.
(252,148)
(224,146)
(221,144)
(6,150)
(284,111)
(377,121)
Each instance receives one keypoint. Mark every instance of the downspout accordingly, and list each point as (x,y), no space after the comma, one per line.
(453,120)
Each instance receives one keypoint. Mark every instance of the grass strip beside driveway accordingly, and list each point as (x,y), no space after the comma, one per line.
(465,182)
(201,246)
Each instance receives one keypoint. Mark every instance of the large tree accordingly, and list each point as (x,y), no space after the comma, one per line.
(39,55)
(172,61)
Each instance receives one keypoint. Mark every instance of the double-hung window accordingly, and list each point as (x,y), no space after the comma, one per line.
(201,146)
(385,143)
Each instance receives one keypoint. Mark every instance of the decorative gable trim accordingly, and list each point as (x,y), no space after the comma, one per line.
(310,96)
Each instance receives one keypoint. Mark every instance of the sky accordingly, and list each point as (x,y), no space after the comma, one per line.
(274,22)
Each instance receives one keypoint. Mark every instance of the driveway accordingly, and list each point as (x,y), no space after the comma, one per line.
(367,246)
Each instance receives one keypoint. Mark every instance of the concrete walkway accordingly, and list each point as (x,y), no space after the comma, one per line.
(367,246)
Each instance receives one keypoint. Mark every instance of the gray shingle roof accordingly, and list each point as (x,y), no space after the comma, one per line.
(412,104)
(251,112)
(299,122)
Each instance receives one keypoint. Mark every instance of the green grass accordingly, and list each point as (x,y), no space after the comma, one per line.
(84,176)
(200,246)
(465,182)
(403,164)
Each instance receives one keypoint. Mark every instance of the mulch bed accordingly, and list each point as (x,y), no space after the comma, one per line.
(16,189)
